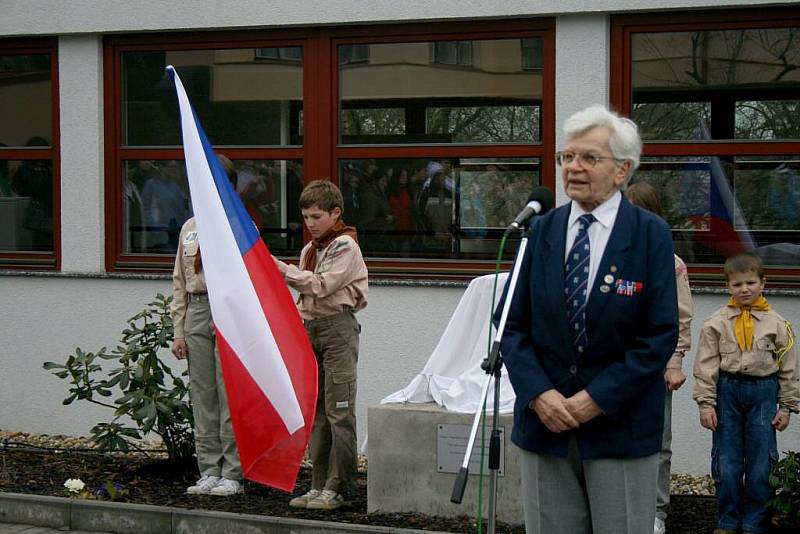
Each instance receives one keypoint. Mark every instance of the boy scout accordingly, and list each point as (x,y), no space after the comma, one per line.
(217,454)
(332,282)
(746,385)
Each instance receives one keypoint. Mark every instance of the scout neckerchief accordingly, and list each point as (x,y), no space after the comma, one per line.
(744,323)
(310,259)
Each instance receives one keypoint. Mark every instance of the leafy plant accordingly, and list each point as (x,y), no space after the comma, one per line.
(784,478)
(149,392)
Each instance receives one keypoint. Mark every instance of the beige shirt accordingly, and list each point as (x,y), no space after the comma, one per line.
(337,284)
(685,312)
(184,279)
(718,351)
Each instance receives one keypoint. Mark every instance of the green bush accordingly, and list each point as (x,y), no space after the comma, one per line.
(785,481)
(148,392)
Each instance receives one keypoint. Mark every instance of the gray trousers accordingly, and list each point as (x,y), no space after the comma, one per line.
(215,444)
(665,462)
(333,438)
(574,496)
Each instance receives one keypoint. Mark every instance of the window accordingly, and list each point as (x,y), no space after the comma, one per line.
(453,53)
(433,161)
(531,53)
(290,53)
(29,192)
(249,100)
(715,96)
(353,53)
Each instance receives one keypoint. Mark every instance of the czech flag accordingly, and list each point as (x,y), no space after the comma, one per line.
(728,233)
(269,366)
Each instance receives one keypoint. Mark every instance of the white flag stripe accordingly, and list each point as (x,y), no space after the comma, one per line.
(235,306)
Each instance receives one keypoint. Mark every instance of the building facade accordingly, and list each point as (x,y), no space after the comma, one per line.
(435,118)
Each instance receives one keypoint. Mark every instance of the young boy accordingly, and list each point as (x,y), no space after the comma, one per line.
(195,340)
(744,367)
(332,282)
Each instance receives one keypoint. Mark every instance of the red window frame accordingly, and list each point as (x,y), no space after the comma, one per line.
(622,29)
(321,150)
(40,261)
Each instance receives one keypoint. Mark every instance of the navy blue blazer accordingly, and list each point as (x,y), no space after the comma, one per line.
(631,336)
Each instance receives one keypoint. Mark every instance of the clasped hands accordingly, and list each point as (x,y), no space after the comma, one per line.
(559,413)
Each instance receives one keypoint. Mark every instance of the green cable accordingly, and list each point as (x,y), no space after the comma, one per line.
(488,354)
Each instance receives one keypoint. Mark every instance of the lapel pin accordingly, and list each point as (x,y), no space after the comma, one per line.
(604,289)
(608,279)
(613,268)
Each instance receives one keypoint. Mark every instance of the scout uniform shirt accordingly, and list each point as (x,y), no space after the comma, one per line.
(685,312)
(719,351)
(184,279)
(337,284)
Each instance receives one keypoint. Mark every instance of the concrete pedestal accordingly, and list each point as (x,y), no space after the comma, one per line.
(404,472)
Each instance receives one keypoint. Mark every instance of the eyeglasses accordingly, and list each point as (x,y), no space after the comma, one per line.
(587,161)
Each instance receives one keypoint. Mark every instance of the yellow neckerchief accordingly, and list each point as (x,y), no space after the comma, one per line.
(744,323)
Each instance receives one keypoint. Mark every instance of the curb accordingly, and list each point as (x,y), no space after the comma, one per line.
(126,518)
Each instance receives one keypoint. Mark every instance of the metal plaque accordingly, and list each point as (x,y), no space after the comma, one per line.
(451,444)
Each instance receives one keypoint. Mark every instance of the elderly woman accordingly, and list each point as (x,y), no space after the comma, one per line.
(592,323)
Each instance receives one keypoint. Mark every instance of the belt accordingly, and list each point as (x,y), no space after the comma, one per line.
(328,319)
(743,377)
(198,297)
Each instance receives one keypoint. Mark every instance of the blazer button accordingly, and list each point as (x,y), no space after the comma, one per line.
(573,369)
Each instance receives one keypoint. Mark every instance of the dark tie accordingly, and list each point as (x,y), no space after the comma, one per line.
(576,276)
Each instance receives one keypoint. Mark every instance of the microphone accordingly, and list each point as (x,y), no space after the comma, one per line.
(540,201)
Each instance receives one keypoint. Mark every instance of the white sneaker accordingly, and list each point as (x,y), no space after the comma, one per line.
(303,500)
(327,500)
(659,527)
(226,488)
(203,486)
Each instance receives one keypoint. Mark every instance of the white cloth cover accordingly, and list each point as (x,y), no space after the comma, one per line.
(453,377)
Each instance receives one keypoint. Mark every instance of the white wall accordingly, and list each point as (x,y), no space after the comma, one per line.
(36,17)
(582,65)
(81,97)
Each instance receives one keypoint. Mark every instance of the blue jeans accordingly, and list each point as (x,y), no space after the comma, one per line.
(744,449)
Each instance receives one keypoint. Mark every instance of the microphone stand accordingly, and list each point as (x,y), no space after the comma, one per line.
(492,365)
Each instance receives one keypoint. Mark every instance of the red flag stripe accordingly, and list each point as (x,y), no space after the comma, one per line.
(267,453)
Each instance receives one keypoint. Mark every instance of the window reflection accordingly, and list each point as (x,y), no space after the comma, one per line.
(741,83)
(451,208)
(26,205)
(673,120)
(156,203)
(270,191)
(245,96)
(718,206)
(25,97)
(479,91)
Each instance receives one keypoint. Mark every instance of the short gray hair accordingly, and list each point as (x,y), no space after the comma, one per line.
(624,142)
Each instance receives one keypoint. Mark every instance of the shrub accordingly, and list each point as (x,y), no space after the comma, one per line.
(784,478)
(149,392)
